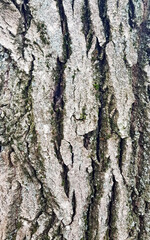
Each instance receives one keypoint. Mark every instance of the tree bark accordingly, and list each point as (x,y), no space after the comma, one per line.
(74,120)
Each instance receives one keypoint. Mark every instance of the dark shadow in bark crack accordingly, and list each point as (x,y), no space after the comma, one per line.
(131,13)
(87,25)
(65,31)
(102,4)
(112,218)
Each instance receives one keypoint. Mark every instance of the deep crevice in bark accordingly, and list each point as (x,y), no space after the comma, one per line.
(72,153)
(58,101)
(87,25)
(73,205)
(121,150)
(98,134)
(25,22)
(86,139)
(148,91)
(90,217)
(64,173)
(72,4)
(58,98)
(25,10)
(93,178)
(16,4)
(65,180)
(138,116)
(65,31)
(101,67)
(44,235)
(59,234)
(102,4)
(57,120)
(87,231)
(139,131)
(111,211)
(131,13)
(117,3)
(141,227)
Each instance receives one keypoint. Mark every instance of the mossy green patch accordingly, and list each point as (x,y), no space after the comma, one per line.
(19,225)
(83,114)
(34,227)
(41,28)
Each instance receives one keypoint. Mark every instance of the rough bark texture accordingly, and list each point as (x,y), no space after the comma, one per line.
(74,120)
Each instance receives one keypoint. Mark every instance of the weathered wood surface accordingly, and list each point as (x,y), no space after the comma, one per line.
(74,120)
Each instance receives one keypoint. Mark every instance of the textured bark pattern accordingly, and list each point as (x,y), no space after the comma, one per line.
(74,120)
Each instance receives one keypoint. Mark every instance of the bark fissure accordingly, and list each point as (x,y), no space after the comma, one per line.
(69,166)
(72,153)
(141,227)
(27,166)
(72,5)
(101,67)
(139,134)
(102,5)
(148,92)
(58,97)
(111,211)
(74,205)
(90,218)
(121,151)
(58,101)
(98,134)
(65,31)
(87,138)
(65,169)
(87,231)
(57,121)
(16,4)
(25,10)
(87,25)
(131,13)
(25,21)
(49,225)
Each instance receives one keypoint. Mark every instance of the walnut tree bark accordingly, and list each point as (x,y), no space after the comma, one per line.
(74,120)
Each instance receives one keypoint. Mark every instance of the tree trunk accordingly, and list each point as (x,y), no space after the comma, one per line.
(74,120)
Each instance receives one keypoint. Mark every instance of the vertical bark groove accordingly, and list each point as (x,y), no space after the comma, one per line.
(111,216)
(102,4)
(87,24)
(65,31)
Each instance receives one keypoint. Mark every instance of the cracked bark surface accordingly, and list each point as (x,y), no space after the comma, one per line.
(74,120)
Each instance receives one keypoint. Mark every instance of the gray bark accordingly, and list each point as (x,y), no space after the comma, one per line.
(74,120)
